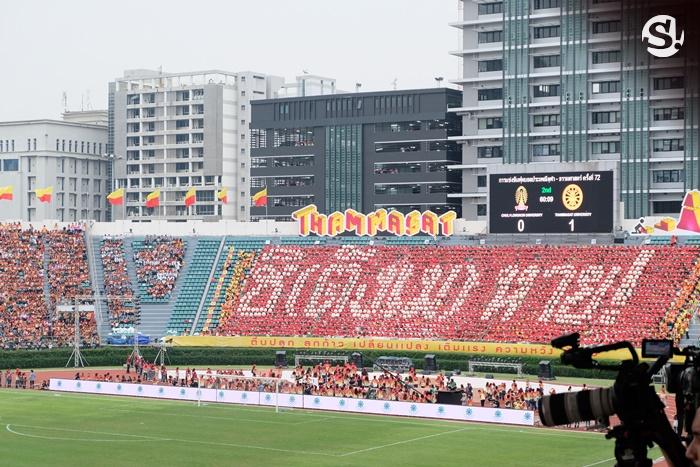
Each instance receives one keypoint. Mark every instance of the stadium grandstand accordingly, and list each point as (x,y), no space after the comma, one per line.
(280,285)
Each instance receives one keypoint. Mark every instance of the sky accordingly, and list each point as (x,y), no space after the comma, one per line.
(48,47)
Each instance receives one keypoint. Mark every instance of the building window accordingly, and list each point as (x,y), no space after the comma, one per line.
(491,65)
(490,8)
(409,146)
(671,144)
(605,147)
(670,113)
(544,32)
(490,36)
(291,137)
(604,87)
(668,176)
(543,150)
(542,4)
(481,181)
(545,120)
(607,56)
(602,27)
(490,94)
(661,84)
(480,209)
(490,123)
(545,90)
(397,189)
(10,165)
(666,207)
(397,127)
(546,61)
(489,152)
(605,117)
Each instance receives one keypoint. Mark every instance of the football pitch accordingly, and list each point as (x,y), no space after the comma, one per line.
(61,429)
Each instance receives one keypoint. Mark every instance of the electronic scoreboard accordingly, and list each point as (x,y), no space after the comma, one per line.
(559,202)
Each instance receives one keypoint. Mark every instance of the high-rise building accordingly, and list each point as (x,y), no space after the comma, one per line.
(67,157)
(362,151)
(175,131)
(571,81)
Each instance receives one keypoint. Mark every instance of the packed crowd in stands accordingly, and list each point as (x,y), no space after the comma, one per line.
(499,294)
(29,294)
(123,310)
(69,277)
(158,264)
(334,381)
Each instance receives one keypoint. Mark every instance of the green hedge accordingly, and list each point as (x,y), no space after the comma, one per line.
(204,356)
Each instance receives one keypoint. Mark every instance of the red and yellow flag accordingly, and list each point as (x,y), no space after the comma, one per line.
(44,194)
(260,198)
(116,197)
(190,197)
(6,193)
(222,195)
(153,199)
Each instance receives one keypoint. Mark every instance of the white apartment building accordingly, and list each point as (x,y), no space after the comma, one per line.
(173,131)
(68,156)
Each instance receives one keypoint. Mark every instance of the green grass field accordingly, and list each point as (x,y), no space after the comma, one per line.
(60,429)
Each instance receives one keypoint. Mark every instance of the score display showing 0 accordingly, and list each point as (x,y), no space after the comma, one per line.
(560,202)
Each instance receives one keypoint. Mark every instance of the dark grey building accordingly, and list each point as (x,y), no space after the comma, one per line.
(362,151)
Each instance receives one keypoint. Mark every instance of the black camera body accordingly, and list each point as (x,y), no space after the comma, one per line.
(632,398)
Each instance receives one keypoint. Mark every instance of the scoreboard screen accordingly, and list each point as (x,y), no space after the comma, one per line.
(560,202)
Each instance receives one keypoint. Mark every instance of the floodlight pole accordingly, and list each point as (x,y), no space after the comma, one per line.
(76,355)
(161,355)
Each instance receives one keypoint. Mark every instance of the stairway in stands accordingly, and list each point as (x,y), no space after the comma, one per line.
(693,335)
(47,287)
(99,277)
(155,314)
(193,282)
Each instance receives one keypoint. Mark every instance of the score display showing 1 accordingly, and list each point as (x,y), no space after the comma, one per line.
(560,202)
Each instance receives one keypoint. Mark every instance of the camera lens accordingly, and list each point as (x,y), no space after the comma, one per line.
(571,407)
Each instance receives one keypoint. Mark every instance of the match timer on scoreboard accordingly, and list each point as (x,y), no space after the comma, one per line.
(560,202)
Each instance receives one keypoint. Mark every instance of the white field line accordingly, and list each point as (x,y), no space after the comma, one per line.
(377,418)
(599,462)
(152,438)
(374,448)
(139,437)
